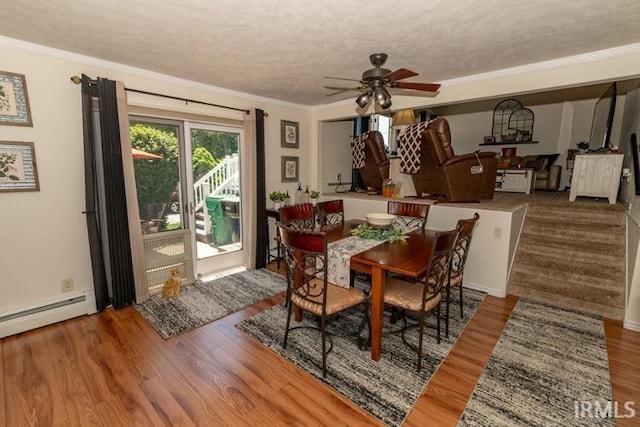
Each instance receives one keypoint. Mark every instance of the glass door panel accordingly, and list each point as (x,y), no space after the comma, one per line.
(216,191)
(156,164)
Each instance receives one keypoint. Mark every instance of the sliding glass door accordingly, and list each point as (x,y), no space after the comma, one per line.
(188,178)
(215,193)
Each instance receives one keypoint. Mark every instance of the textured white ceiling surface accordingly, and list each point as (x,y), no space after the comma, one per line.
(281,49)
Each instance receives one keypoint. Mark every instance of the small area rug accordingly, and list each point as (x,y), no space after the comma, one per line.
(202,303)
(387,389)
(545,361)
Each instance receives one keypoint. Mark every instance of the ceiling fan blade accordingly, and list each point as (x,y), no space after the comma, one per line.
(399,74)
(342,78)
(428,87)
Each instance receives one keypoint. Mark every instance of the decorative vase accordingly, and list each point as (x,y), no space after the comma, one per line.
(314,201)
(276,204)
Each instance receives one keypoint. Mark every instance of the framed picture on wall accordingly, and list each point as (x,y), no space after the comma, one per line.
(18,168)
(289,134)
(14,101)
(289,168)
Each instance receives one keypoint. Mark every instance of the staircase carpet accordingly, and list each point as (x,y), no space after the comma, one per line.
(572,254)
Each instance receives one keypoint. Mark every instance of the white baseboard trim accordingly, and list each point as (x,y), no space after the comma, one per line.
(489,291)
(50,316)
(633,326)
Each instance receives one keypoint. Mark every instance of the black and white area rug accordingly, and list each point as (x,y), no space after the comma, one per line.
(200,304)
(388,388)
(546,364)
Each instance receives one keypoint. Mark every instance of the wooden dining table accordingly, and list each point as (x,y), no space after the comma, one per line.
(408,258)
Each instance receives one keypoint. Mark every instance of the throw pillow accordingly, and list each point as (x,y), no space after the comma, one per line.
(551,159)
(509,151)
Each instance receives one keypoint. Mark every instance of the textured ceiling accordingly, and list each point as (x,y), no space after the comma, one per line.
(281,49)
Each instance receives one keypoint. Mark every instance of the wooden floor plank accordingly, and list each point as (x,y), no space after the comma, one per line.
(113,368)
(623,348)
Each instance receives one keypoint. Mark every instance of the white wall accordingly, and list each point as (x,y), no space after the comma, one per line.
(337,137)
(44,238)
(631,124)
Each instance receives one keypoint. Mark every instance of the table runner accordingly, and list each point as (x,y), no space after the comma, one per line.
(339,257)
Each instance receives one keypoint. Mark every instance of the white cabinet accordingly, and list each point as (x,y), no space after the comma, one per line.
(515,180)
(596,175)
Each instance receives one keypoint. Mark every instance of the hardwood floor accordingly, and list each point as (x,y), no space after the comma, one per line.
(113,369)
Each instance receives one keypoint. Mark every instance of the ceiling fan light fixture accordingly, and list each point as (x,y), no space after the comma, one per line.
(382,97)
(363,99)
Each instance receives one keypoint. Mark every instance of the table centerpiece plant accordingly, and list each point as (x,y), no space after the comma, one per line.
(368,231)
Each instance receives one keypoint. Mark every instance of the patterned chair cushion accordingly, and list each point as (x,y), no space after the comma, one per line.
(407,295)
(338,299)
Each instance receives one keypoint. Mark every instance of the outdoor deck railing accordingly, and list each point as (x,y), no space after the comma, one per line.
(223,179)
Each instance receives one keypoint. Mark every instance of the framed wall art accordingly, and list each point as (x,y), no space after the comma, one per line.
(289,134)
(18,167)
(289,168)
(14,100)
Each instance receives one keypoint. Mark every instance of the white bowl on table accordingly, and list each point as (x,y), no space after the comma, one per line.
(381,220)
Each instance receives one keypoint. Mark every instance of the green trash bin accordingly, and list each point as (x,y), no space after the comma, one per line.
(221,229)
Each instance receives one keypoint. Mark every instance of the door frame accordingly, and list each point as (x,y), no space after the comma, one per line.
(232,259)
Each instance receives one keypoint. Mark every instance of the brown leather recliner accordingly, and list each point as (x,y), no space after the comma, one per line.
(376,167)
(548,179)
(463,178)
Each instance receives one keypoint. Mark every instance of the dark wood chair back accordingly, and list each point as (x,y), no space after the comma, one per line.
(299,217)
(409,215)
(467,226)
(330,212)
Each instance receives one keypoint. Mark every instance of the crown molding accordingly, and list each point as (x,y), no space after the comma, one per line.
(115,66)
(568,61)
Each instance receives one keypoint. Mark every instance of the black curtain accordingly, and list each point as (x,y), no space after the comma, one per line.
(106,206)
(262,230)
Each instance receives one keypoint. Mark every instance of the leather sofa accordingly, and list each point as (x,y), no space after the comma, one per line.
(456,178)
(548,180)
(376,168)
(547,174)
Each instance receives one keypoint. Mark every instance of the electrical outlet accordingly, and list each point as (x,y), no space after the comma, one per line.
(497,232)
(67,285)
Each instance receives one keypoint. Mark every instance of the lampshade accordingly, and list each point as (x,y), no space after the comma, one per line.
(363,99)
(403,118)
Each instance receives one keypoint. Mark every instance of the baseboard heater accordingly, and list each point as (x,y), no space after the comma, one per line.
(42,308)
(46,314)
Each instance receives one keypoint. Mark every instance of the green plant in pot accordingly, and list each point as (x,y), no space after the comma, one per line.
(277,197)
(583,146)
(314,195)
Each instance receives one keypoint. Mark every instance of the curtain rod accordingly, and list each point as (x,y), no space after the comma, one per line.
(77,80)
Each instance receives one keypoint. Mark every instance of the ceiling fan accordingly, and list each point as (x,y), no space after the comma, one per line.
(375,81)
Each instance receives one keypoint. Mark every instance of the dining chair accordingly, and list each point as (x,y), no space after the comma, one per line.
(305,254)
(411,216)
(330,213)
(459,258)
(424,295)
(299,217)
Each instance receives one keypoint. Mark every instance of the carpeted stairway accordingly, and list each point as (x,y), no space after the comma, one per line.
(572,254)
